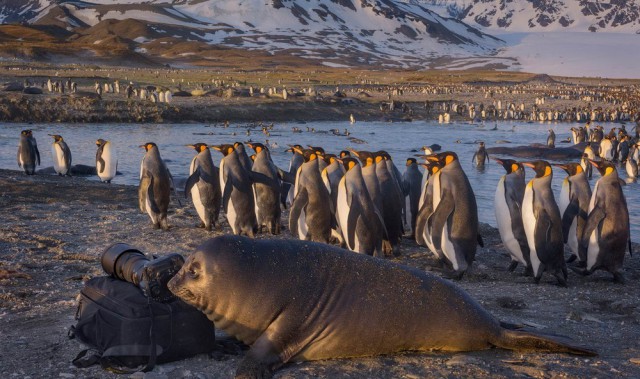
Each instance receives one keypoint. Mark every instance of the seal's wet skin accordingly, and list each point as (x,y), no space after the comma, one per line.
(298,301)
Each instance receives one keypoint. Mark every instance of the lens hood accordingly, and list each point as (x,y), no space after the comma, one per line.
(112,253)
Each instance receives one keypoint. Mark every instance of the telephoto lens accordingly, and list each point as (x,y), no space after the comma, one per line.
(125,262)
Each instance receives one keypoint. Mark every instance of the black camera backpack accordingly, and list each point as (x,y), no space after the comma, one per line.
(120,325)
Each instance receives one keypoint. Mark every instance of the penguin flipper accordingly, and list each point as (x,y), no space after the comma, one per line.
(595,217)
(102,164)
(18,155)
(173,186)
(301,201)
(191,181)
(226,193)
(355,211)
(35,147)
(142,192)
(67,156)
(439,217)
(149,192)
(421,222)
(567,218)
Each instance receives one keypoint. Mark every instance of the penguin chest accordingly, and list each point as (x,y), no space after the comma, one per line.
(343,210)
(195,194)
(59,163)
(504,221)
(593,246)
(529,222)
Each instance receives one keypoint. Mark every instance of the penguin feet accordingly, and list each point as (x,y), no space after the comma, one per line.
(512,266)
(580,270)
(618,278)
(562,281)
(528,271)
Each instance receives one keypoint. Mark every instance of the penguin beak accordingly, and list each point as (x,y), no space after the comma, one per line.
(498,161)
(560,166)
(143,146)
(595,164)
(529,164)
(191,146)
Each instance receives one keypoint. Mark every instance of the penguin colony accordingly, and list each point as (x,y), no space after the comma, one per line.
(359,200)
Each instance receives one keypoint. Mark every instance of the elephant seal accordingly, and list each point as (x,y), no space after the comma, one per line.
(293,300)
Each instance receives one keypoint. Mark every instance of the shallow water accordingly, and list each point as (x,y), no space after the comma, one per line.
(401,140)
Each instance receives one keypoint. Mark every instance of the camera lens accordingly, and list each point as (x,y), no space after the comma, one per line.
(124,262)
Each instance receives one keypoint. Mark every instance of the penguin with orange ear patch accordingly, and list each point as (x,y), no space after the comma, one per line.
(155,186)
(606,233)
(237,191)
(574,207)
(508,207)
(543,224)
(454,221)
(266,187)
(312,213)
(203,185)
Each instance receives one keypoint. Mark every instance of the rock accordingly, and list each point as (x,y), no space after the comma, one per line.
(510,303)
(462,360)
(66,375)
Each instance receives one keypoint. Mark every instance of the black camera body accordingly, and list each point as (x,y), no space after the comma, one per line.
(125,262)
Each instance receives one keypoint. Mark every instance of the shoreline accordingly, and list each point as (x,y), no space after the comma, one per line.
(55,228)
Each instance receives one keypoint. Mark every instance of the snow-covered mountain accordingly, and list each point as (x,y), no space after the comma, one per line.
(615,16)
(379,32)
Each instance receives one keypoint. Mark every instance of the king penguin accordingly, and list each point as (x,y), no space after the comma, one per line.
(294,163)
(61,155)
(266,186)
(28,154)
(106,161)
(392,201)
(574,207)
(480,156)
(155,186)
(203,185)
(454,221)
(237,191)
(361,224)
(412,186)
(426,207)
(312,216)
(606,233)
(543,225)
(508,207)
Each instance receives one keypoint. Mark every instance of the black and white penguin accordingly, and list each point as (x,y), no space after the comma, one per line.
(237,191)
(360,221)
(543,224)
(61,155)
(203,185)
(480,156)
(106,161)
(245,160)
(574,206)
(454,221)
(426,207)
(551,139)
(28,154)
(411,187)
(607,233)
(312,214)
(588,154)
(508,208)
(266,186)
(287,188)
(392,201)
(155,186)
